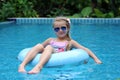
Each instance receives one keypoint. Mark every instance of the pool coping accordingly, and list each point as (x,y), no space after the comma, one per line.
(73,20)
(6,22)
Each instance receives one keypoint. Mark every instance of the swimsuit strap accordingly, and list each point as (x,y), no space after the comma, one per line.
(54,41)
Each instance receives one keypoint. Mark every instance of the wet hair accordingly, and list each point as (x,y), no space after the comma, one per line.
(67,21)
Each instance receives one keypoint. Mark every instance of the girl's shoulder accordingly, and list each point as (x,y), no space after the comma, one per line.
(73,41)
(50,39)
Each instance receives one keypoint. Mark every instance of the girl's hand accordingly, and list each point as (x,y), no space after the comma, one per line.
(98,61)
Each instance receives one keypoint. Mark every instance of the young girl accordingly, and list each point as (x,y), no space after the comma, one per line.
(63,42)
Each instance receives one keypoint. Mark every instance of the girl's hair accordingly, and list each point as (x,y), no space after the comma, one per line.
(67,20)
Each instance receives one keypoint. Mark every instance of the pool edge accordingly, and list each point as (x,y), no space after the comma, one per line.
(73,20)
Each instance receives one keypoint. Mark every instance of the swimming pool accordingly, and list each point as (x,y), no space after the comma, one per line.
(101,37)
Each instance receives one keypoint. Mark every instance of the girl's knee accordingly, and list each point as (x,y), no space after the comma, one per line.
(39,47)
(48,47)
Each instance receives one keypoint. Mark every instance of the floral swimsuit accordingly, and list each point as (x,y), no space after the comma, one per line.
(58,46)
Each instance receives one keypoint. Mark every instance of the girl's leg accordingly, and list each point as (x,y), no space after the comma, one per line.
(30,55)
(43,59)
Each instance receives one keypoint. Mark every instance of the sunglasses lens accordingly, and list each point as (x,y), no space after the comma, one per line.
(56,29)
(63,28)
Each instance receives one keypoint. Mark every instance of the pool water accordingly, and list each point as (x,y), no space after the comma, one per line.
(102,39)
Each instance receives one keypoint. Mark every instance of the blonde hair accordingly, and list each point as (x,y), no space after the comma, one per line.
(68,38)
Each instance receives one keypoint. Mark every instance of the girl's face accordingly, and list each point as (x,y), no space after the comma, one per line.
(60,29)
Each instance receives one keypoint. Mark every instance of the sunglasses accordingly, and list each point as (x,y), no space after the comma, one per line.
(63,28)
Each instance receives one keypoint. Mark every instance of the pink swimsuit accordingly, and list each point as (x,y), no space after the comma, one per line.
(58,46)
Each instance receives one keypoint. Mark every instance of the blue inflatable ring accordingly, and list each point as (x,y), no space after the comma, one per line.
(58,59)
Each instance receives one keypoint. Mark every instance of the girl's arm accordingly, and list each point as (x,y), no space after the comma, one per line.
(77,45)
(46,42)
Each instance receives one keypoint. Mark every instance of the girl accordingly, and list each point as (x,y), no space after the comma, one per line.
(63,42)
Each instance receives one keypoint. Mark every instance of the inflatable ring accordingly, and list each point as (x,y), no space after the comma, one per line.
(58,59)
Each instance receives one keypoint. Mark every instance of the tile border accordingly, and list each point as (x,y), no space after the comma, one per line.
(73,20)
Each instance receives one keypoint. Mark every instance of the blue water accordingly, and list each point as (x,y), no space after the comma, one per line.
(102,39)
